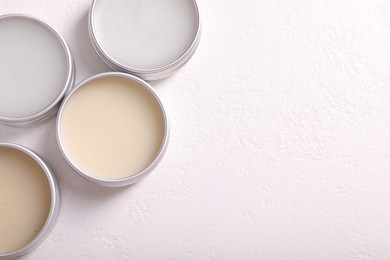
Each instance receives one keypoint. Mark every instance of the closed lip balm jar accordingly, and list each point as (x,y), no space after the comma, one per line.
(36,70)
(151,39)
(113,129)
(29,200)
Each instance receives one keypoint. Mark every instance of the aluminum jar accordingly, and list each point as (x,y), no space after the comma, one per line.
(36,70)
(113,129)
(24,174)
(149,39)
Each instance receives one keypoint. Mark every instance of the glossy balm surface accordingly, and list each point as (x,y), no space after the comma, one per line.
(145,34)
(33,67)
(25,199)
(111,128)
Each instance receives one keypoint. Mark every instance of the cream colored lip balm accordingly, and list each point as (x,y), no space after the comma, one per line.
(28,200)
(147,38)
(113,129)
(36,69)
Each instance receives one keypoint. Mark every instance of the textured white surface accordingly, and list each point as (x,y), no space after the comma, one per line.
(280,145)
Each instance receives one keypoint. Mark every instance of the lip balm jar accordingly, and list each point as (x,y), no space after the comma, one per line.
(36,70)
(151,39)
(29,200)
(113,129)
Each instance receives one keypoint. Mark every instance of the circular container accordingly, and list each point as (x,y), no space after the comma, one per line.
(27,154)
(36,70)
(147,38)
(113,129)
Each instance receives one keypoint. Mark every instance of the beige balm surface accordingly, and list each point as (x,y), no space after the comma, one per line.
(25,199)
(113,129)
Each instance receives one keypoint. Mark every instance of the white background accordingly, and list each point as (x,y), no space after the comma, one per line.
(280,143)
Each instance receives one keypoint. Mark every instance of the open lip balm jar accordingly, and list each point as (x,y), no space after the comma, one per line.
(36,70)
(113,129)
(151,39)
(29,200)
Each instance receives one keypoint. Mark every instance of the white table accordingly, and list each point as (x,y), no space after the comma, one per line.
(280,143)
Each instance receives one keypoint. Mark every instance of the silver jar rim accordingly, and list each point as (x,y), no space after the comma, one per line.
(132,178)
(54,207)
(146,74)
(52,108)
